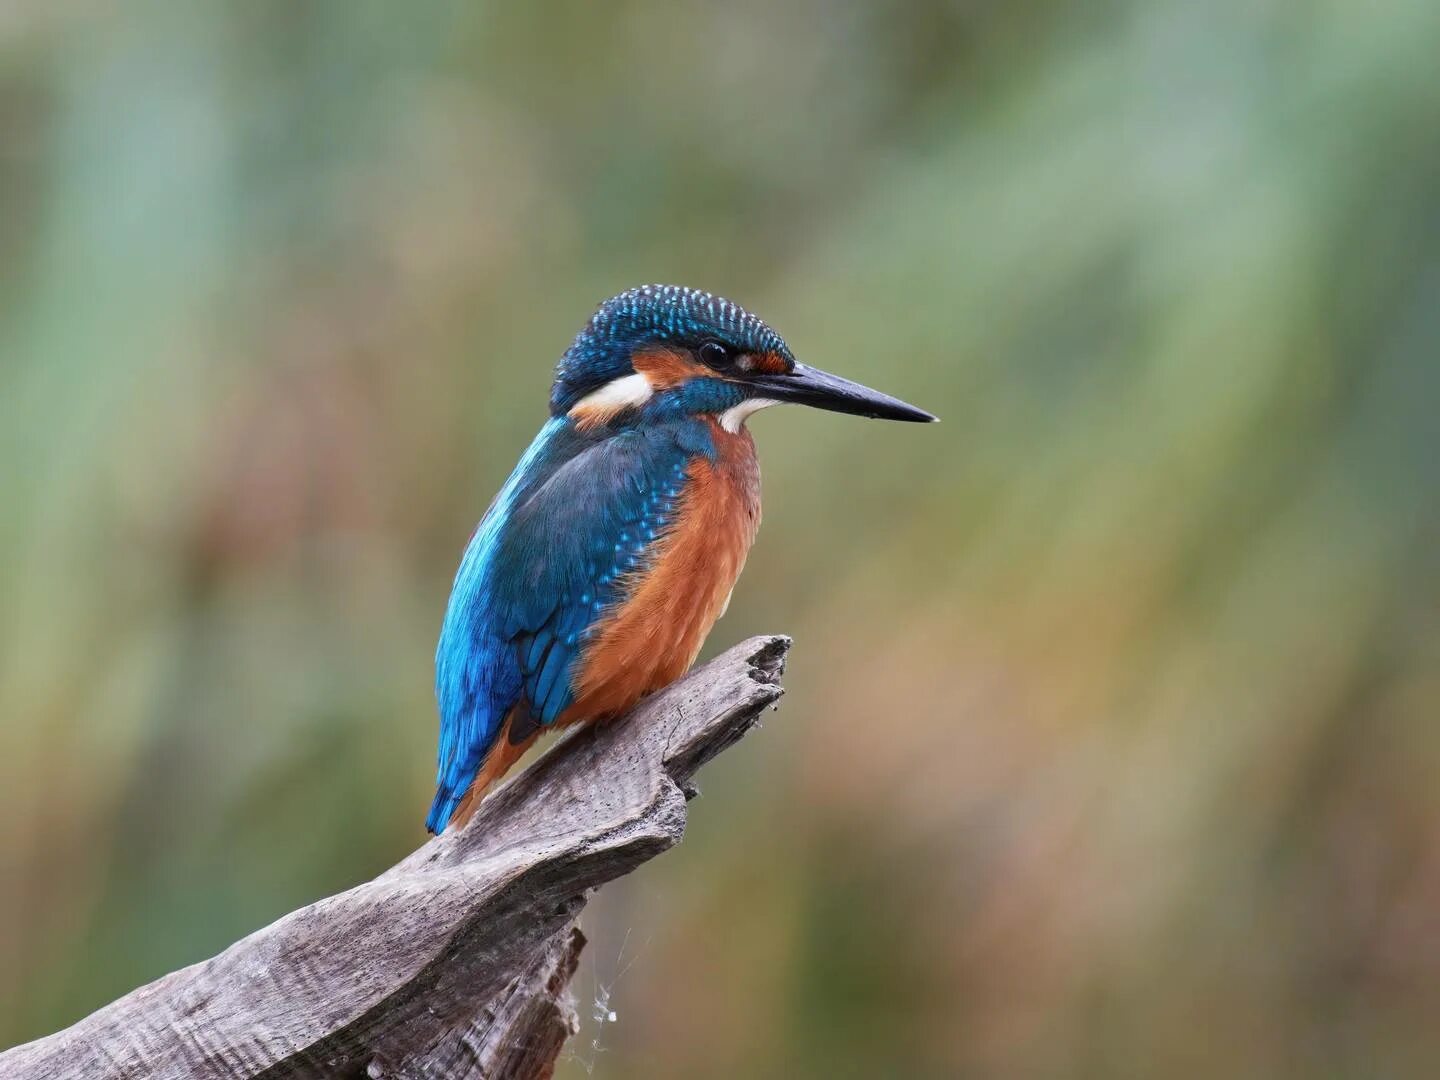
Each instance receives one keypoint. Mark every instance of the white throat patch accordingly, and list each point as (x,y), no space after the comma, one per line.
(733,418)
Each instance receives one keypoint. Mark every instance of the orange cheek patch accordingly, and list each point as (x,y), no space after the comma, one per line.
(667,368)
(766,363)
(589,417)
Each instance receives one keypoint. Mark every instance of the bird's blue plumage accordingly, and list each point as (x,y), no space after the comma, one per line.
(574,527)
(579,514)
(660,376)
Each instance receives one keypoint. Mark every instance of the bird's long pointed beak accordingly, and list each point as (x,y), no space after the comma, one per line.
(810,386)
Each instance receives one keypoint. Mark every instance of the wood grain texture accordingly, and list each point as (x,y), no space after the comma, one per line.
(456,962)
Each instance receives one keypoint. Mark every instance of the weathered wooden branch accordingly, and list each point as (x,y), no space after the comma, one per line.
(457,961)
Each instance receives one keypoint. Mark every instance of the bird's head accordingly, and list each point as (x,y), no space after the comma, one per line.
(669,350)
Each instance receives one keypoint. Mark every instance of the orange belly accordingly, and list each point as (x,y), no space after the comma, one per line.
(654,637)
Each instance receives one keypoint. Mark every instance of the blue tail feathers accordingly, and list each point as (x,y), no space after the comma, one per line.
(441,810)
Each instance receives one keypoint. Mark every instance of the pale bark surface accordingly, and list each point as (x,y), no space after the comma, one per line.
(457,961)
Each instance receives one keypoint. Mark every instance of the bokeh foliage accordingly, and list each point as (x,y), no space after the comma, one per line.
(1111,745)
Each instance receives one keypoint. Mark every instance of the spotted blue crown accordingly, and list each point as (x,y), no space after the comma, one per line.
(653,313)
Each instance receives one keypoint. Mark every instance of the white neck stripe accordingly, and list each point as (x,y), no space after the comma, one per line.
(628,391)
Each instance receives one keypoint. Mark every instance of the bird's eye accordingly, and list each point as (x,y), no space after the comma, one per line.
(713,354)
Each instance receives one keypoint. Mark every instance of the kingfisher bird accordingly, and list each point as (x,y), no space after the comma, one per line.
(613,547)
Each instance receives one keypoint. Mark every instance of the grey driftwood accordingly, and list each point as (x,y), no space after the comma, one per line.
(457,961)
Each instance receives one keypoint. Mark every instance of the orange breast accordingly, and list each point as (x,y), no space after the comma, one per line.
(653,638)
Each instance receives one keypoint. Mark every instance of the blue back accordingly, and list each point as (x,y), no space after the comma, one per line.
(578,513)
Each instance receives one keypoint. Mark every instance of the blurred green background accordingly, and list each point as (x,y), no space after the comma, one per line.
(1111,742)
